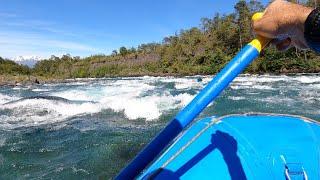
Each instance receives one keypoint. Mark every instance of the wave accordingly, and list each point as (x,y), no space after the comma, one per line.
(34,112)
(262,78)
(136,99)
(40,90)
(39,111)
(259,87)
(144,98)
(307,79)
(53,98)
(6,98)
(149,107)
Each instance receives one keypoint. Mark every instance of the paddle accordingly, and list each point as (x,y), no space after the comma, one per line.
(250,52)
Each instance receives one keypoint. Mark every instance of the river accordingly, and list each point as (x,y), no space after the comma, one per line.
(90,128)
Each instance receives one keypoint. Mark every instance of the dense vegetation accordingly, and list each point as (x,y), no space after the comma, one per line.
(199,50)
(10,67)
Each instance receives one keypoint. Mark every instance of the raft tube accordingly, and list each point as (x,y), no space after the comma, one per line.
(250,146)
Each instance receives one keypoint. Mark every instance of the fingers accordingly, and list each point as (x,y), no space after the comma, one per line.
(283,20)
(266,27)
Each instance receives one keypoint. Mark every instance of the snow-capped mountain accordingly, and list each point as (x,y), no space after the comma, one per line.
(29,61)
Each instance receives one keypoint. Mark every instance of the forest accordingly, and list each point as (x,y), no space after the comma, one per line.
(199,50)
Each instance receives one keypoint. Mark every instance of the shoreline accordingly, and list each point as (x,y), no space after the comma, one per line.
(23,80)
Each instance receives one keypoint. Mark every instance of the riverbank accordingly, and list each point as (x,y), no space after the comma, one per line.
(23,80)
(16,80)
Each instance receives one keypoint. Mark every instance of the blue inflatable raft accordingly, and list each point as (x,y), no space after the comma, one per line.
(233,147)
(248,146)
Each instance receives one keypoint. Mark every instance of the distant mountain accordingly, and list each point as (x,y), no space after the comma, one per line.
(29,61)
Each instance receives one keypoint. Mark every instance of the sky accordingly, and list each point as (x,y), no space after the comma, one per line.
(86,27)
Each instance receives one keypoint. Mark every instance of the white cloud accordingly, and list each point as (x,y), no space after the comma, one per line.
(71,45)
(36,25)
(16,44)
(54,28)
(34,37)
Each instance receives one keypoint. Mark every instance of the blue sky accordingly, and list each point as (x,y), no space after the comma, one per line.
(85,27)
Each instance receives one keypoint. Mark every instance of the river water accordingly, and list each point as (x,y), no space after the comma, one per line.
(90,128)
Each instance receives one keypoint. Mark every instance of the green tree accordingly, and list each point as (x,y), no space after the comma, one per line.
(114,53)
(123,51)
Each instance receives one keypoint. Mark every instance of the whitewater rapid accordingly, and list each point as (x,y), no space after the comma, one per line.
(146,98)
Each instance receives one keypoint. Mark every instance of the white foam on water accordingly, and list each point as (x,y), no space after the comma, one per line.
(142,97)
(184,83)
(263,82)
(236,98)
(261,79)
(314,86)
(277,100)
(5,98)
(258,87)
(134,108)
(40,90)
(238,87)
(262,87)
(77,171)
(148,107)
(307,79)
(79,95)
(134,97)
(309,95)
(121,89)
(20,88)
(244,83)
(207,79)
(2,141)
(188,85)
(33,112)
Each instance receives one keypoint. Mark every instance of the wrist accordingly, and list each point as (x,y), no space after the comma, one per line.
(302,18)
(305,12)
(312,30)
